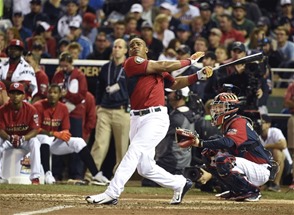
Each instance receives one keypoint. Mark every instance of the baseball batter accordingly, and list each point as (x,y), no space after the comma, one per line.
(149,121)
(54,134)
(18,128)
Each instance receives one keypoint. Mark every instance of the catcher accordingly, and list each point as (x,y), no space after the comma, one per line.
(243,164)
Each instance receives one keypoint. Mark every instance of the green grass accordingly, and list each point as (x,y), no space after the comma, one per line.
(131,188)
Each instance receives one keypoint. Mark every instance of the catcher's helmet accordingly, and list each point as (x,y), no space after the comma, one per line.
(224,106)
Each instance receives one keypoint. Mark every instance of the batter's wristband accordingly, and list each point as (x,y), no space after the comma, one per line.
(185,63)
(192,79)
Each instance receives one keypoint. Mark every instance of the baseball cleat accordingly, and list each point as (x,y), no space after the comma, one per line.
(224,195)
(253,198)
(35,181)
(3,181)
(101,199)
(178,195)
(99,179)
(49,179)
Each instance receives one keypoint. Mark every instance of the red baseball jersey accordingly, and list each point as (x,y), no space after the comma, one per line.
(42,82)
(52,118)
(149,89)
(18,122)
(289,95)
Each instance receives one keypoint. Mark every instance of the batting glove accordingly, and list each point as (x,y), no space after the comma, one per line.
(196,57)
(204,73)
(16,140)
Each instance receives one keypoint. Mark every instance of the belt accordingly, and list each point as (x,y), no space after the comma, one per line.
(116,107)
(146,111)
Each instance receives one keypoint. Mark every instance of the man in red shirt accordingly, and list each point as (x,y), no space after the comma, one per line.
(41,76)
(54,135)
(18,128)
(149,121)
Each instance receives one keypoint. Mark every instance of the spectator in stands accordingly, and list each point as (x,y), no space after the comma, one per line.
(287,12)
(185,11)
(12,33)
(52,8)
(84,7)
(119,32)
(241,23)
(221,54)
(112,107)
(286,23)
(62,46)
(161,30)
(74,89)
(285,47)
(230,34)
(75,35)
(137,10)
(17,20)
(218,10)
(208,23)
(71,14)
(131,26)
(169,52)
(154,45)
(167,8)
(74,49)
(274,57)
(39,47)
(3,44)
(44,30)
(265,24)
(197,26)
(101,51)
(289,103)
(200,45)
(252,10)
(89,26)
(256,35)
(149,10)
(214,39)
(41,76)
(183,34)
(31,19)
(18,5)
(273,140)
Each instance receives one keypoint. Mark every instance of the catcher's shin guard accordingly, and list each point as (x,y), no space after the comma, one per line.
(235,181)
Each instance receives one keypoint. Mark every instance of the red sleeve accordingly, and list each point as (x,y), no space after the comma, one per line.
(135,66)
(43,82)
(237,131)
(2,124)
(77,98)
(169,80)
(90,115)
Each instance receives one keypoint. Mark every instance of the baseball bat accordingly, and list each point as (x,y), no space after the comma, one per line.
(243,60)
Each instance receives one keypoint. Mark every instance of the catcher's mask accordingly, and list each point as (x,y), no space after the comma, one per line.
(224,106)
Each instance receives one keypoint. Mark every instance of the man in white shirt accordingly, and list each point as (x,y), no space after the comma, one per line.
(274,140)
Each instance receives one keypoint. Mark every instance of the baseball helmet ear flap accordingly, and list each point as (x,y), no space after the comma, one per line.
(179,94)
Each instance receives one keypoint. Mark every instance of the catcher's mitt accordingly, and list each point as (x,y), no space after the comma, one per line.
(185,138)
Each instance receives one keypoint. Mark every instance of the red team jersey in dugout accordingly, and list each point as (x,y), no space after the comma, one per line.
(18,122)
(149,89)
(52,118)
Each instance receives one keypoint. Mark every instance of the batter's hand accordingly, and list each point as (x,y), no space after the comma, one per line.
(196,57)
(204,73)
(64,135)
(16,140)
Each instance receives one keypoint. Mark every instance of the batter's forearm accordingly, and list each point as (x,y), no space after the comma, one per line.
(166,66)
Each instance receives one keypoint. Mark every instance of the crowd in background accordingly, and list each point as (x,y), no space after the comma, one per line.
(87,29)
